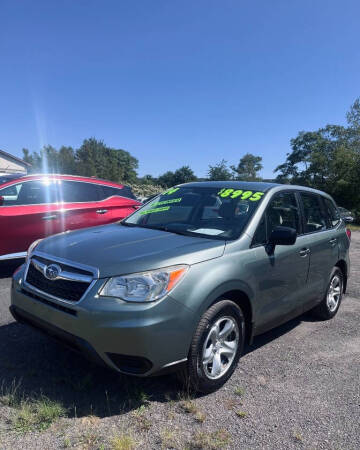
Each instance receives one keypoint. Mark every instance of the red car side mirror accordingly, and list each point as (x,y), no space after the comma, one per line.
(1,200)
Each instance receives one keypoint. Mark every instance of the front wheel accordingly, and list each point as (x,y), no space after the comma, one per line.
(216,346)
(331,302)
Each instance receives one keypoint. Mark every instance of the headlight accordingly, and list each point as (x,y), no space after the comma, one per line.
(32,248)
(144,286)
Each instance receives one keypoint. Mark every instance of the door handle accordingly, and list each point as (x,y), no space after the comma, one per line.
(51,217)
(101,211)
(304,252)
(333,241)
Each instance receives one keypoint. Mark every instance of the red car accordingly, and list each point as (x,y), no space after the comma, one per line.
(35,206)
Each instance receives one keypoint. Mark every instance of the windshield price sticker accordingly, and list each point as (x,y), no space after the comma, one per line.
(166,202)
(244,195)
(171,191)
(154,210)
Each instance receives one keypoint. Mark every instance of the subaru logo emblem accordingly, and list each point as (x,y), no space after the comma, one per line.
(52,271)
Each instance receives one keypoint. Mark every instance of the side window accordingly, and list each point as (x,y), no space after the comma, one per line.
(332,212)
(260,234)
(108,191)
(10,194)
(35,193)
(283,211)
(79,192)
(314,217)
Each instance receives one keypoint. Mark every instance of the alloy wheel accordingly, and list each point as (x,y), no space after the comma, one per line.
(220,347)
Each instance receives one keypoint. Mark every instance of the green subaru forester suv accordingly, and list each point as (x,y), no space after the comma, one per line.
(188,279)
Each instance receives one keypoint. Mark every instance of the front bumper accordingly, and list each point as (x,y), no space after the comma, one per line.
(137,339)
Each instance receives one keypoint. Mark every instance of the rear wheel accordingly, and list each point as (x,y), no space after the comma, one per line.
(216,347)
(331,302)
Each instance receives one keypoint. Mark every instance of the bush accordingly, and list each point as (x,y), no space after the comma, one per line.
(146,190)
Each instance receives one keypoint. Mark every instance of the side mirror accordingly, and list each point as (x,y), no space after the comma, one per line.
(281,236)
(1,200)
(348,219)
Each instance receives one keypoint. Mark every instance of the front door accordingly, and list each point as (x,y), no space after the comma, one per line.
(281,276)
(29,212)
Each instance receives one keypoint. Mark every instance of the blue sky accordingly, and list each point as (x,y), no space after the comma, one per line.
(176,82)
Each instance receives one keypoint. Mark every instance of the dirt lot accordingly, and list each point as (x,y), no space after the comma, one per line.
(297,387)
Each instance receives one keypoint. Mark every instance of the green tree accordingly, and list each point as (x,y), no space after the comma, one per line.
(327,159)
(167,179)
(182,175)
(93,158)
(219,172)
(248,168)
(147,179)
(66,160)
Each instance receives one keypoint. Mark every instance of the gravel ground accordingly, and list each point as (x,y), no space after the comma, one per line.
(298,386)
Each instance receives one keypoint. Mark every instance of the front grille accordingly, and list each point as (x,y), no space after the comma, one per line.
(69,290)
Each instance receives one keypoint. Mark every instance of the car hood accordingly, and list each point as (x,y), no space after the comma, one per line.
(117,250)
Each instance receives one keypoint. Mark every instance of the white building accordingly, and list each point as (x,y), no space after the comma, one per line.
(12,164)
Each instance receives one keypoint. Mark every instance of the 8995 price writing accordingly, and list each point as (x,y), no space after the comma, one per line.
(244,195)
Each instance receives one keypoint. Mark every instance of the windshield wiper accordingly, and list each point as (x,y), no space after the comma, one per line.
(169,230)
(160,228)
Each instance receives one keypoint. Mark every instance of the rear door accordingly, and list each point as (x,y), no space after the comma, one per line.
(320,239)
(80,205)
(281,276)
(116,203)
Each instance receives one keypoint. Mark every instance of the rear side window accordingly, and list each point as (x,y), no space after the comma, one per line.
(314,217)
(332,213)
(108,191)
(78,192)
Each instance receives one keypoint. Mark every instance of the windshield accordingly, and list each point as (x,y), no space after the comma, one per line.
(207,212)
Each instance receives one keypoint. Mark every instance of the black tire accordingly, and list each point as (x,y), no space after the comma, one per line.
(195,375)
(323,310)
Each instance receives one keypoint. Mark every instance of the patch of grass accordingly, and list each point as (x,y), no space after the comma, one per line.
(168,439)
(142,397)
(239,391)
(90,421)
(241,414)
(200,416)
(210,441)
(37,415)
(142,422)
(10,395)
(89,440)
(189,407)
(67,443)
(122,442)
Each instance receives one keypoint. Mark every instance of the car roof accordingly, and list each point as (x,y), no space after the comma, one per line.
(10,176)
(248,185)
(253,186)
(52,176)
